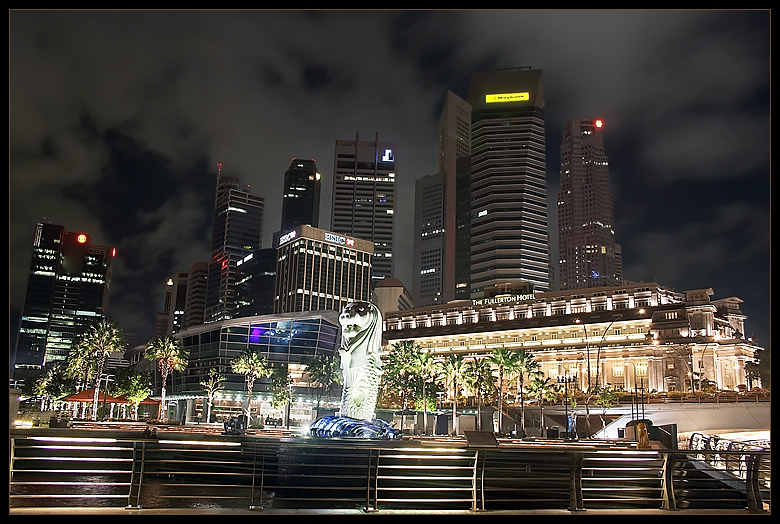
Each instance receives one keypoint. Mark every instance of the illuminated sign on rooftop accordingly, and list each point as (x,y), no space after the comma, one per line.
(507,97)
(502,299)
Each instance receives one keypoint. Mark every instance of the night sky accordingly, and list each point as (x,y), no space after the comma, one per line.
(117,120)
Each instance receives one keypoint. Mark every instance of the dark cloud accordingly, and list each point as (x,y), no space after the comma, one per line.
(117,120)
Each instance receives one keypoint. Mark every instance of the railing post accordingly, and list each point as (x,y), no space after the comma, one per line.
(575,484)
(137,462)
(372,477)
(752,487)
(669,503)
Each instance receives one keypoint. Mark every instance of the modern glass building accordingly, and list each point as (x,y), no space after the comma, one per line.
(237,232)
(587,253)
(67,291)
(283,339)
(509,236)
(301,199)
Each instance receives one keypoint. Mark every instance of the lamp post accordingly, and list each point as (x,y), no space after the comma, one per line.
(566,379)
(107,378)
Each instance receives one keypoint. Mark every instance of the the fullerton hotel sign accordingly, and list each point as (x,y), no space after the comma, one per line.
(501,300)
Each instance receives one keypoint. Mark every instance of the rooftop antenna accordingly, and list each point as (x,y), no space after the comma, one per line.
(219,170)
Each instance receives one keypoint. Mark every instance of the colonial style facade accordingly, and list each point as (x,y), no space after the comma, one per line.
(640,335)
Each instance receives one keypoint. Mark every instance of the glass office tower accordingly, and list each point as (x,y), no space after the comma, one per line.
(301,199)
(509,236)
(237,232)
(67,291)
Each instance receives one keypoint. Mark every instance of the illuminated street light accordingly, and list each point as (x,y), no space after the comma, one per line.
(566,379)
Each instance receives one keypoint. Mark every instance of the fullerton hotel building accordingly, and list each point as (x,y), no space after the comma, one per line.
(640,335)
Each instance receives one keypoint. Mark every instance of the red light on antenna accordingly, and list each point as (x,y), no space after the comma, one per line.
(598,123)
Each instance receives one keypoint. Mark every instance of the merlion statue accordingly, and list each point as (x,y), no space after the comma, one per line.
(361,367)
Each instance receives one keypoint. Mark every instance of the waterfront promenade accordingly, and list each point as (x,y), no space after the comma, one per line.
(104,469)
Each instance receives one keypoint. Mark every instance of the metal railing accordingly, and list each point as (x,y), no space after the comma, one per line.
(211,471)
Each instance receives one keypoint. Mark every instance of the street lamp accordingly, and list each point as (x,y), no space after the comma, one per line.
(641,393)
(566,379)
(587,348)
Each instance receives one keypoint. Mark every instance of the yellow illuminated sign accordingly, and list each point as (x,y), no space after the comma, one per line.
(507,97)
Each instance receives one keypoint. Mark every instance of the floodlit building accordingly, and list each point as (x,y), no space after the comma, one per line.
(639,335)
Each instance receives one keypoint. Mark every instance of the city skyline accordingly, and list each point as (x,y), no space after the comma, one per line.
(126,148)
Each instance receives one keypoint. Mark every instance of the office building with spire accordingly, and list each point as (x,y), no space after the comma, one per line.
(67,291)
(587,253)
(237,232)
(364,193)
(508,183)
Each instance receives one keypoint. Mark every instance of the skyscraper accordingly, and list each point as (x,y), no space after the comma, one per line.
(237,232)
(364,190)
(318,269)
(430,240)
(197,282)
(441,262)
(509,236)
(67,291)
(587,253)
(171,319)
(301,199)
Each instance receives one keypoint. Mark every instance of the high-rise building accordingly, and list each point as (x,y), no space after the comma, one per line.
(301,199)
(364,190)
(454,149)
(255,281)
(171,319)
(441,262)
(67,291)
(509,236)
(587,253)
(318,269)
(197,280)
(237,232)
(430,241)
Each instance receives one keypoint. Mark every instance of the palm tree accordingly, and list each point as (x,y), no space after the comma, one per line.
(542,389)
(101,339)
(507,362)
(170,356)
(526,367)
(397,376)
(479,377)
(454,369)
(324,373)
(211,384)
(424,366)
(252,366)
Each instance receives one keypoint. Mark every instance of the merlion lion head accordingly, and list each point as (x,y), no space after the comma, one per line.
(361,326)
